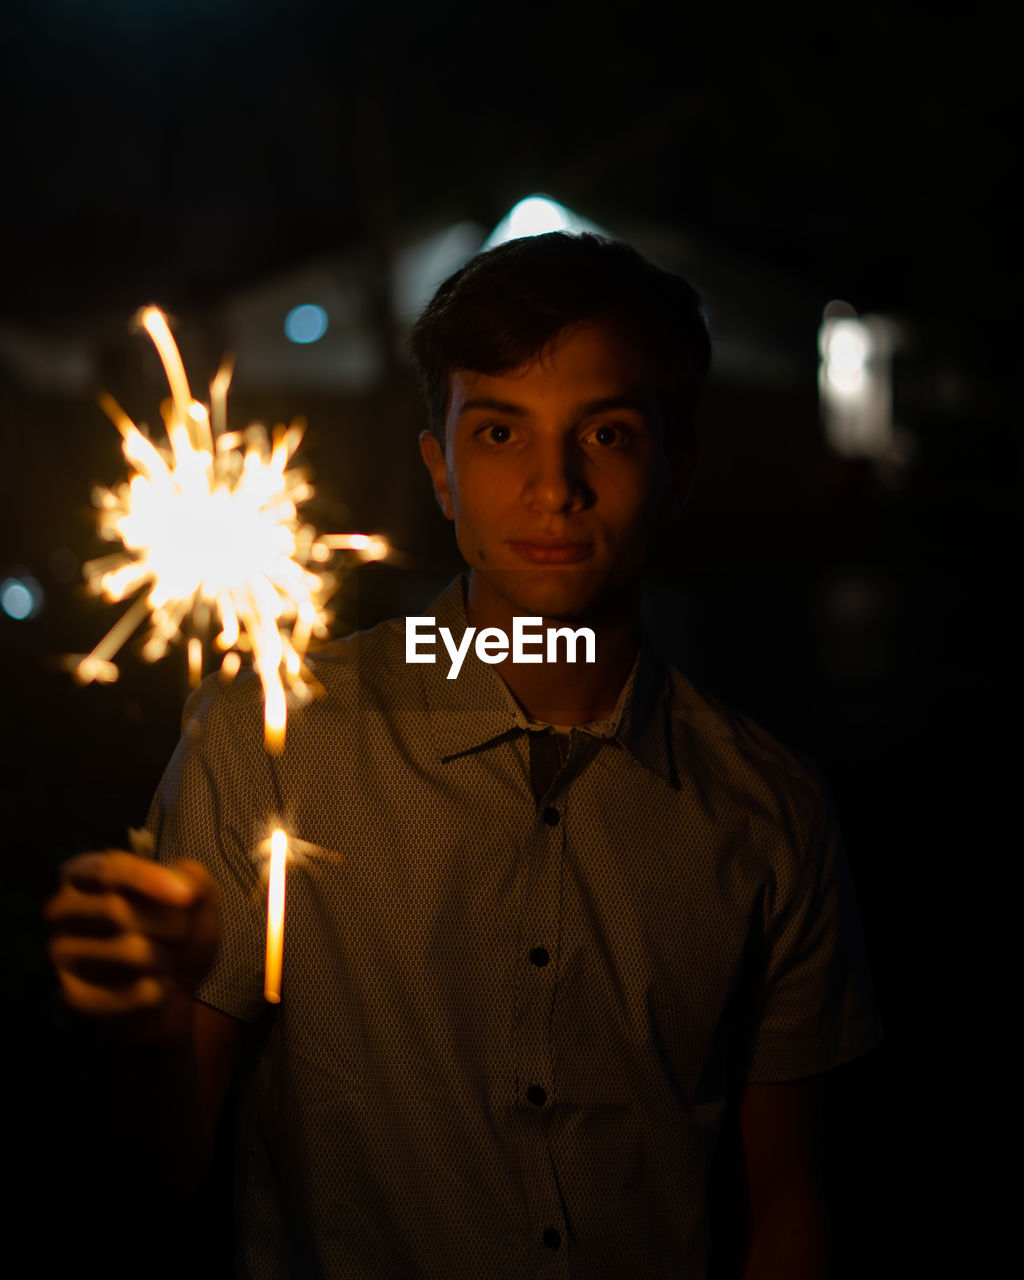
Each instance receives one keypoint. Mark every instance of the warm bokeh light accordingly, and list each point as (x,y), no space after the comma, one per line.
(366,546)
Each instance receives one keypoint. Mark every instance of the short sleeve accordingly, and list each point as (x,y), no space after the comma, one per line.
(815,1008)
(215,805)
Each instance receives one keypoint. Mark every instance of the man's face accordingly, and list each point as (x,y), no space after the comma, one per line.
(556,477)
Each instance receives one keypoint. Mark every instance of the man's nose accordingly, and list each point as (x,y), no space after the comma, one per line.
(555,480)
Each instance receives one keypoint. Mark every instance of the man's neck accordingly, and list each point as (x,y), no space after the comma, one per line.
(566,693)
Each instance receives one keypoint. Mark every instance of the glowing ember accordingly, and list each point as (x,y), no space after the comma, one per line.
(209,526)
(275,917)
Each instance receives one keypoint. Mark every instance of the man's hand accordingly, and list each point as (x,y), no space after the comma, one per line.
(130,939)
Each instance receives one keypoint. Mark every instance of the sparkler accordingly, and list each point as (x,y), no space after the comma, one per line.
(209,529)
(209,525)
(280,851)
(275,917)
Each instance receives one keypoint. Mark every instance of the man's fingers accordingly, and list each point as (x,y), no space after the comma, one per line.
(207,890)
(104,914)
(120,872)
(204,883)
(102,1001)
(130,936)
(88,914)
(110,961)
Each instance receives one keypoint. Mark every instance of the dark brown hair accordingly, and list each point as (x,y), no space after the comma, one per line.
(508,305)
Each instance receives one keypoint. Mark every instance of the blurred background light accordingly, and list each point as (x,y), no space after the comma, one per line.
(306,323)
(425,263)
(855,382)
(333,345)
(51,362)
(536,215)
(21,597)
(845,347)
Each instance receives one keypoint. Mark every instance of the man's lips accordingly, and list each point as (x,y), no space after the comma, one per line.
(550,551)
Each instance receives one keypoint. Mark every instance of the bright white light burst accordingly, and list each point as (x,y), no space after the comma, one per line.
(210,530)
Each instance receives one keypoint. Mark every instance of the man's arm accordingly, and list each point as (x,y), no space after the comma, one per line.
(129,940)
(780,1137)
(217,1043)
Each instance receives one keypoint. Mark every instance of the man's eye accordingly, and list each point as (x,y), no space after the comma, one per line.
(609,436)
(496,433)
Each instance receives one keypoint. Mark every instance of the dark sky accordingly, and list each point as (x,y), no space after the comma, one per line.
(174,149)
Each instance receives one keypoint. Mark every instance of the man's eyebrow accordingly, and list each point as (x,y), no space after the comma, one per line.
(495,406)
(636,401)
(585,409)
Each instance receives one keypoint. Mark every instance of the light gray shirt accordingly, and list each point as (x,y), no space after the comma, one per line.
(509,1027)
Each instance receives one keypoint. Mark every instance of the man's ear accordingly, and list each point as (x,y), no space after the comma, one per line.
(433,460)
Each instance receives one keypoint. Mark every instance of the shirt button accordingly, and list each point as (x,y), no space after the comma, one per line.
(539,956)
(551,816)
(552,1237)
(537,1095)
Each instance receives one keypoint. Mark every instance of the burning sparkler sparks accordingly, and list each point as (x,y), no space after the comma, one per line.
(278,852)
(210,529)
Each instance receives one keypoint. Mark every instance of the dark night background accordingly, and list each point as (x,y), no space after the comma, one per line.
(203,155)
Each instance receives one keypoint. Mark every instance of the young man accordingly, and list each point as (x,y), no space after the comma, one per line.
(555,921)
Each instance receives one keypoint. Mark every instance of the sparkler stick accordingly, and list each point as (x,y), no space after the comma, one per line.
(210,529)
(275,917)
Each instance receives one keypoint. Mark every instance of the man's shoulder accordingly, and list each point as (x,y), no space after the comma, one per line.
(735,752)
(361,665)
(376,655)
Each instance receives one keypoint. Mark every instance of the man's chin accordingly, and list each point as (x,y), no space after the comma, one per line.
(561,594)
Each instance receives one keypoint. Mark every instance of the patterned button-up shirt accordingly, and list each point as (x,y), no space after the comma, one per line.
(510,1023)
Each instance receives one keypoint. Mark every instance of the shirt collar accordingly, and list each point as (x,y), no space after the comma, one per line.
(477,707)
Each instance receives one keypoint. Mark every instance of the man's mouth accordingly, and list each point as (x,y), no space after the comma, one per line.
(551,551)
